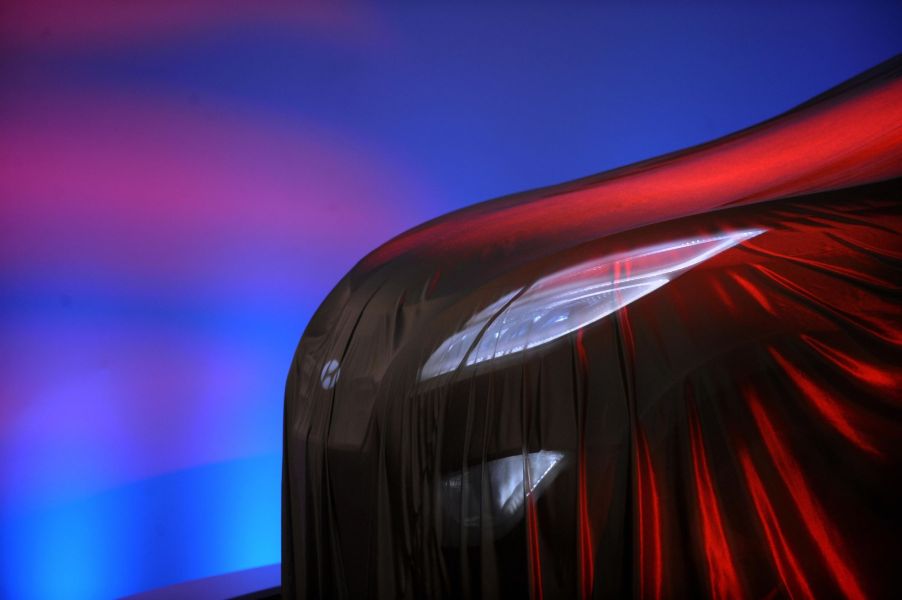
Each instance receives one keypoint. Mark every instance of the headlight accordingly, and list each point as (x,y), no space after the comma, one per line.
(570,299)
(494,494)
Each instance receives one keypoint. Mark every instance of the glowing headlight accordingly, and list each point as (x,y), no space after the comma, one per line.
(567,300)
(494,494)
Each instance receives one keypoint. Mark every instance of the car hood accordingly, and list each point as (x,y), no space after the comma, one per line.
(844,137)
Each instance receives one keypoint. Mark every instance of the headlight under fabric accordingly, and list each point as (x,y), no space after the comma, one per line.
(572,298)
(495,493)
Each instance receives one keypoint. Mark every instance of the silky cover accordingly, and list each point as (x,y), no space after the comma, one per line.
(733,432)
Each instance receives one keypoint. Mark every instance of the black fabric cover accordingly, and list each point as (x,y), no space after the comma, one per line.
(734,433)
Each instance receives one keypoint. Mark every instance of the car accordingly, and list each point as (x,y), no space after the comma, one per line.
(679,378)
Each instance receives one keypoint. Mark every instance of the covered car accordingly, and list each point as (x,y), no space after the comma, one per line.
(679,378)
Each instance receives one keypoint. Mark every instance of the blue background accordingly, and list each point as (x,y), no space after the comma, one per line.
(182,183)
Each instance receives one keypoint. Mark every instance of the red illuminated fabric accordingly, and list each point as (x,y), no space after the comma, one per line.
(735,432)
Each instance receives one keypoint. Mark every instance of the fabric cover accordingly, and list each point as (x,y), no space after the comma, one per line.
(734,432)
